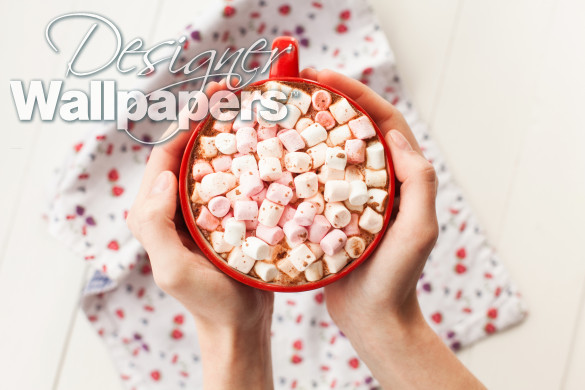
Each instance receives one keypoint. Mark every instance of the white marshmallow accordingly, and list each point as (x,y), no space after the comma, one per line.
(217,183)
(226,143)
(297,162)
(317,154)
(256,248)
(243,164)
(355,208)
(327,173)
(314,134)
(288,268)
(269,213)
(301,257)
(303,123)
(306,184)
(207,146)
(315,248)
(234,232)
(377,199)
(339,135)
(301,99)
(352,173)
(358,192)
(314,272)
(371,221)
(336,158)
(218,243)
(292,116)
(337,214)
(276,86)
(342,111)
(269,168)
(355,246)
(376,178)
(336,262)
(336,191)
(198,196)
(239,260)
(265,271)
(318,201)
(375,157)
(269,148)
(235,195)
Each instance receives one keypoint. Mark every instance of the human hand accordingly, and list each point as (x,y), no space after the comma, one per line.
(233,320)
(376,305)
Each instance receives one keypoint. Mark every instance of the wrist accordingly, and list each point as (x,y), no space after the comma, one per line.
(235,357)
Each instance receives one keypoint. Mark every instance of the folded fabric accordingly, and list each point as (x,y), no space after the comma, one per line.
(464,291)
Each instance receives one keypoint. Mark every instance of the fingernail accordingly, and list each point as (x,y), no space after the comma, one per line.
(400,140)
(161,183)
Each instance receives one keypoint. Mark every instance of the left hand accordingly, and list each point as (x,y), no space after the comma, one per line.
(233,320)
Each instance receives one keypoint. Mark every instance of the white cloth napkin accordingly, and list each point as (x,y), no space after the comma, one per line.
(465,292)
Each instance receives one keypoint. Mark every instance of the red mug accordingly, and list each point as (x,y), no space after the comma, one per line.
(284,68)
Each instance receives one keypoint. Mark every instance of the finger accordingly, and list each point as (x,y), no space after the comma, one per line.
(309,73)
(168,155)
(382,112)
(153,225)
(416,221)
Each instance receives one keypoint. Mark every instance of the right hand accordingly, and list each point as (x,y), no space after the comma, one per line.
(376,305)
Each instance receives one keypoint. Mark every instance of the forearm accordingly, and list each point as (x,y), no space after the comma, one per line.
(409,355)
(234,358)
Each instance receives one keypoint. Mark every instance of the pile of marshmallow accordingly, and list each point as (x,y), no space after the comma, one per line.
(303,196)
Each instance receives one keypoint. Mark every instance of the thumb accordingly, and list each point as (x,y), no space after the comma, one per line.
(154,218)
(416,220)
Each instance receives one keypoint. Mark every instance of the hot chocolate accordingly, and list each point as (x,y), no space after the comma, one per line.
(294,201)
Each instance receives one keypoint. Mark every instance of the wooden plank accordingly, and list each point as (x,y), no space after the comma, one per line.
(480,118)
(40,283)
(574,378)
(88,364)
(541,227)
(420,33)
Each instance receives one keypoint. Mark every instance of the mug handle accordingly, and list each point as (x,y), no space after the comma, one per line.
(287,63)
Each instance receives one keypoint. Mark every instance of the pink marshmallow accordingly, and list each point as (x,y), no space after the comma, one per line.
(352,228)
(239,123)
(321,100)
(222,163)
(206,220)
(250,183)
(259,197)
(200,169)
(246,140)
(245,210)
(362,127)
(219,206)
(287,215)
(295,233)
(355,149)
(229,215)
(291,140)
(325,119)
(270,235)
(286,179)
(318,229)
(251,224)
(305,214)
(266,132)
(333,242)
(279,193)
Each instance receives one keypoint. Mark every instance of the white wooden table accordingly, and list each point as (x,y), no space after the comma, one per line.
(502,84)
